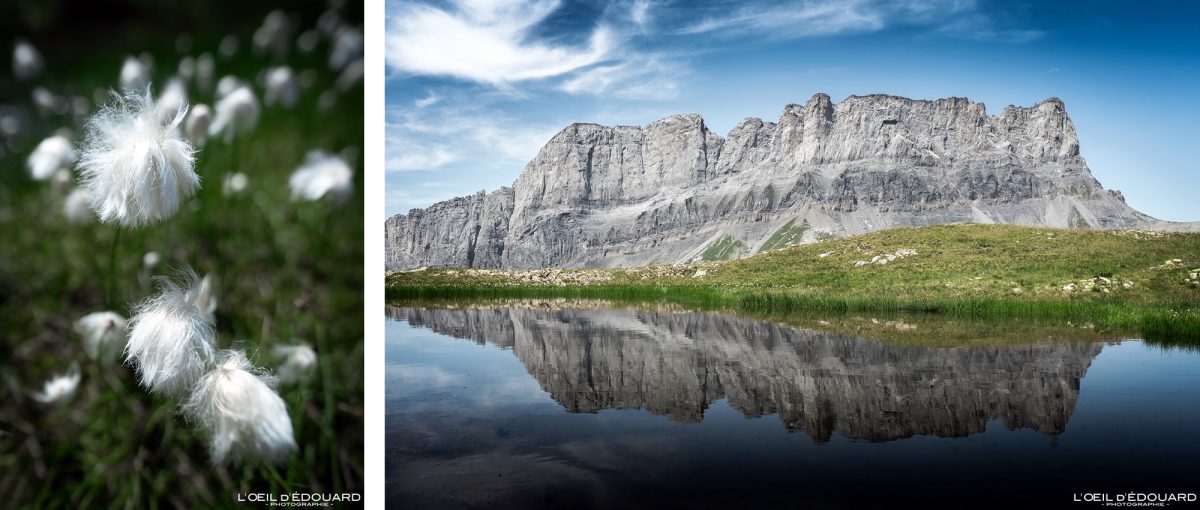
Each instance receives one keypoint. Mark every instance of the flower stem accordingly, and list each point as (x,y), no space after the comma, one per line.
(110,289)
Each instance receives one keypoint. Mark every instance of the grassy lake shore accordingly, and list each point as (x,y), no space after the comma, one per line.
(1132,280)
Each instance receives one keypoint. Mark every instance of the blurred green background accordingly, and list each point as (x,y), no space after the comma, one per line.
(288,271)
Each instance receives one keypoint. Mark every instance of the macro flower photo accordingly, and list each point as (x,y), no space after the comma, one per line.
(181,264)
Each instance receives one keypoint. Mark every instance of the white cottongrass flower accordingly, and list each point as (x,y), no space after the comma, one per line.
(80,106)
(307,42)
(27,61)
(272,36)
(187,69)
(352,74)
(327,100)
(50,155)
(321,175)
(48,102)
(205,70)
(282,87)
(150,260)
(227,84)
(228,46)
(62,180)
(329,22)
(247,421)
(206,298)
(172,341)
(9,124)
(196,126)
(78,207)
(172,99)
(237,113)
(59,388)
(298,362)
(347,46)
(135,75)
(234,183)
(138,169)
(103,334)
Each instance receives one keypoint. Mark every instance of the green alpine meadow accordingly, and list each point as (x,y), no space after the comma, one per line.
(1136,281)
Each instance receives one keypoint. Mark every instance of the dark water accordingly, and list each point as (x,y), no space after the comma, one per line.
(534,407)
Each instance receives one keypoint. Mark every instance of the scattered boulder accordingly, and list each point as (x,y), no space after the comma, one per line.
(1098,284)
(880,260)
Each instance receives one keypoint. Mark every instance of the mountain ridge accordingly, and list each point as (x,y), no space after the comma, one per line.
(674,191)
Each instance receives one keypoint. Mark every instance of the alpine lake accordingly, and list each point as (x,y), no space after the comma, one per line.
(559,403)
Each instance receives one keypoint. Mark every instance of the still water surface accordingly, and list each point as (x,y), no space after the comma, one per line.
(536,406)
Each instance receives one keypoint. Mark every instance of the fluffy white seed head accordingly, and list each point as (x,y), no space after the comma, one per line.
(329,22)
(234,183)
(78,207)
(103,334)
(62,180)
(172,342)
(322,174)
(150,260)
(298,362)
(228,46)
(196,127)
(282,87)
(50,155)
(172,100)
(48,102)
(347,47)
(135,75)
(60,388)
(227,84)
(351,75)
(246,420)
(138,169)
(80,106)
(237,113)
(205,71)
(27,61)
(206,298)
(272,36)
(187,69)
(307,42)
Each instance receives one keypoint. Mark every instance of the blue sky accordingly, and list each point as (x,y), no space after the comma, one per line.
(475,87)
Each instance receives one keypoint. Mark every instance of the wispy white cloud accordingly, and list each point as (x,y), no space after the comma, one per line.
(980,28)
(429,100)
(815,18)
(651,77)
(408,195)
(791,20)
(442,133)
(486,42)
(406,155)
(640,13)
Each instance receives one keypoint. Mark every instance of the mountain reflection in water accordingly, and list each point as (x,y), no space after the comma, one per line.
(676,364)
(591,404)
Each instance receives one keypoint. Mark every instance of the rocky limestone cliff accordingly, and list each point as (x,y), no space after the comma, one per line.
(676,364)
(598,196)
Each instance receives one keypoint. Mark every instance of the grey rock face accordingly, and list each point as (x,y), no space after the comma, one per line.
(598,196)
(677,364)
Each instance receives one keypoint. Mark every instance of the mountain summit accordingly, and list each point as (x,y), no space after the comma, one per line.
(673,191)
